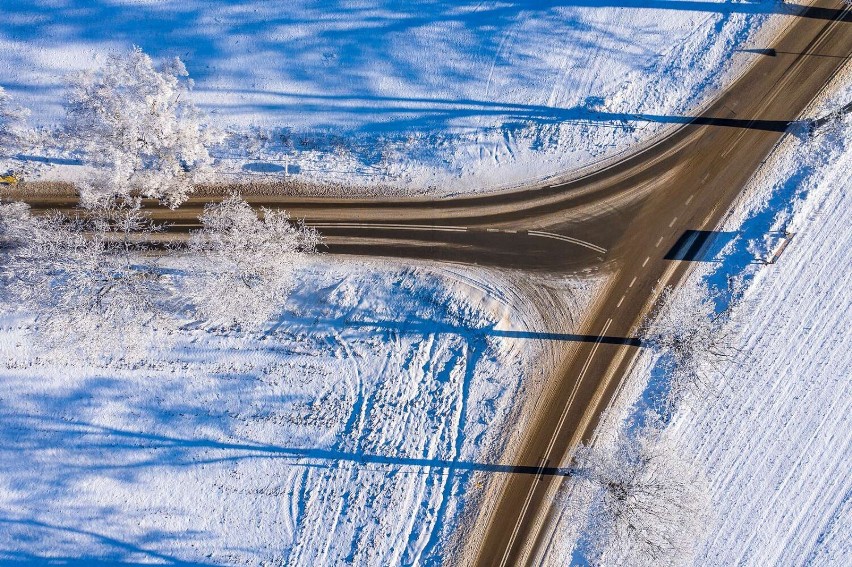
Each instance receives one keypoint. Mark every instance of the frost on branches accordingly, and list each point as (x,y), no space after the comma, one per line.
(138,124)
(693,339)
(648,504)
(86,280)
(13,129)
(96,290)
(248,262)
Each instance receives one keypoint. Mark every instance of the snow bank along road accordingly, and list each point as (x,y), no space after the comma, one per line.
(624,218)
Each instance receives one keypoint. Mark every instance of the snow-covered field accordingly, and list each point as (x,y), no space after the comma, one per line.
(777,443)
(353,431)
(772,430)
(433,96)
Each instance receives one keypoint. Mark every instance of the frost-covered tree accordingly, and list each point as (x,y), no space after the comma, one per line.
(693,338)
(16,224)
(649,505)
(13,128)
(87,281)
(248,261)
(138,124)
(96,289)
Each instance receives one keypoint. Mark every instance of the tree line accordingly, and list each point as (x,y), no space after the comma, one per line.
(92,282)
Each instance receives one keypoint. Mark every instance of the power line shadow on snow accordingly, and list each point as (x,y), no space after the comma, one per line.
(418,326)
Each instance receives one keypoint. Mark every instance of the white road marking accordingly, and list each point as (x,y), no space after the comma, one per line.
(733,146)
(382,226)
(690,198)
(553,441)
(391,226)
(570,239)
(657,245)
(620,301)
(646,261)
(633,281)
(671,224)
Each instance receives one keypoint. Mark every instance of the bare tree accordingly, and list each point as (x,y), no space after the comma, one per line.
(138,124)
(648,506)
(693,338)
(85,279)
(248,261)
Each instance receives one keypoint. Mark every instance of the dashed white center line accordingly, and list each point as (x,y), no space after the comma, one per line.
(671,224)
(633,281)
(690,198)
(620,301)
(646,261)
(657,245)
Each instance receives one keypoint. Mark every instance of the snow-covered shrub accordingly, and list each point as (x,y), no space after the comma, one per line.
(247,264)
(137,123)
(648,505)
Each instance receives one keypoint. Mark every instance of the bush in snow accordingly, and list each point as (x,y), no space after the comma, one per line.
(648,505)
(137,122)
(693,339)
(248,262)
(86,280)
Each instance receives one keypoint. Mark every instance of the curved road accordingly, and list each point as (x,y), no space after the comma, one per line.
(624,218)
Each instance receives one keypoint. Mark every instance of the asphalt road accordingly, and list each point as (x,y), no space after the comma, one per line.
(694,187)
(624,218)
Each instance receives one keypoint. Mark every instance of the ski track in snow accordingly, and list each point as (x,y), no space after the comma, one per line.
(331,439)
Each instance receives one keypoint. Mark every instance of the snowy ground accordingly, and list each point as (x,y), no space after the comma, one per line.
(777,443)
(773,433)
(440,96)
(352,432)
